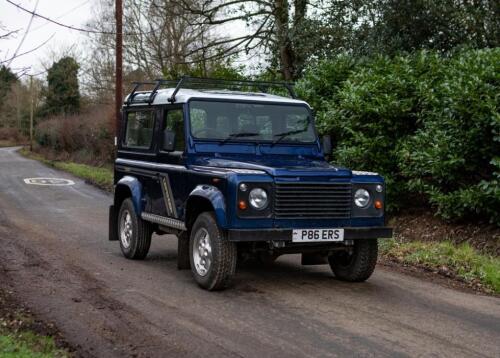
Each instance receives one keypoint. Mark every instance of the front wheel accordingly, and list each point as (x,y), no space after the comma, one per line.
(355,266)
(213,257)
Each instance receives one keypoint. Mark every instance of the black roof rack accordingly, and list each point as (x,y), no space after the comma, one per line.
(205,83)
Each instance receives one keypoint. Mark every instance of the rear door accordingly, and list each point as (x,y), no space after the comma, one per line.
(173,174)
(137,149)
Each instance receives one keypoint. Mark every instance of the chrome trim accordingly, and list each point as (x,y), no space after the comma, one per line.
(360,172)
(168,197)
(150,165)
(224,170)
(246,171)
(163,220)
(157,166)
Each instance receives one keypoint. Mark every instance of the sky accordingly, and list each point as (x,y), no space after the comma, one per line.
(70,12)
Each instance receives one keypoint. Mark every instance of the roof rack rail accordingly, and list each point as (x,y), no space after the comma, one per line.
(207,83)
(152,94)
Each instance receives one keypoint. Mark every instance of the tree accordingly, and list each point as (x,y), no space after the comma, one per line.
(160,40)
(367,27)
(281,29)
(7,79)
(62,94)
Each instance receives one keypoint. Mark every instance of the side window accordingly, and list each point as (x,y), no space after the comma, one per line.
(139,129)
(175,124)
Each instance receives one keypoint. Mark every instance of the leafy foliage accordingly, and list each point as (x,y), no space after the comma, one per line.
(429,123)
(394,26)
(7,78)
(63,95)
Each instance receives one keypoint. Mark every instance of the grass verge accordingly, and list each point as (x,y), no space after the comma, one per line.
(8,143)
(99,176)
(462,261)
(28,345)
(22,335)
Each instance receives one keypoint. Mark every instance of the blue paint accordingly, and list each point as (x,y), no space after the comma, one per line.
(135,187)
(216,198)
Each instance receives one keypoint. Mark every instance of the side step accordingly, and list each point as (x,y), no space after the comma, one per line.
(165,221)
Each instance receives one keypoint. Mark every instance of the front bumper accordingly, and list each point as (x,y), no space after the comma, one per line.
(350,233)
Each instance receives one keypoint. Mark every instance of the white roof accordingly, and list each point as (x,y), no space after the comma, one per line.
(184,95)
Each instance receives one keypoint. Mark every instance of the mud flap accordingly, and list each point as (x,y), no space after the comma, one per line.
(314,259)
(113,230)
(183,259)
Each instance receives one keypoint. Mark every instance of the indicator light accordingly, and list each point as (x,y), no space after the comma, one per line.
(242,205)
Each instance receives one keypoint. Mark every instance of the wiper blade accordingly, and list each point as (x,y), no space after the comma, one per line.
(283,135)
(239,135)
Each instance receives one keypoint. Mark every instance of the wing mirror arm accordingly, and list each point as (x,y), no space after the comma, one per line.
(168,141)
(326,145)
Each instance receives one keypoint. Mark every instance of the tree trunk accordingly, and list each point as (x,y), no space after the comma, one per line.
(283,40)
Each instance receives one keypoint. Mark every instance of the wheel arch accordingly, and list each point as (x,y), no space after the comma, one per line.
(205,198)
(129,187)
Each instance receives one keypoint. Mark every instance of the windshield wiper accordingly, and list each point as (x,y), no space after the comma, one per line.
(283,135)
(239,135)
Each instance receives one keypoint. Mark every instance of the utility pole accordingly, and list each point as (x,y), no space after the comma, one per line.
(31,112)
(119,65)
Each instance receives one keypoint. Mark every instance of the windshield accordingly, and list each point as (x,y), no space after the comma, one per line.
(228,121)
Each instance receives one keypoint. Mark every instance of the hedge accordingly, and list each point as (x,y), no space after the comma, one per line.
(428,122)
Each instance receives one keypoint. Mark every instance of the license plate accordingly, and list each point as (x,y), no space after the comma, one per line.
(317,235)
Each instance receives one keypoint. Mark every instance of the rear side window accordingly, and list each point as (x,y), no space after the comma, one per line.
(140,126)
(175,124)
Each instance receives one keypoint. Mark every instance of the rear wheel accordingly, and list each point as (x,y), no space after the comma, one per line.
(213,257)
(133,232)
(358,265)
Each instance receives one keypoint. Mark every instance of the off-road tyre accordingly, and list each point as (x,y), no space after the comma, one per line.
(358,266)
(140,238)
(224,254)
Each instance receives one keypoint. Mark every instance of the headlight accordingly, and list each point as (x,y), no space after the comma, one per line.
(258,198)
(362,198)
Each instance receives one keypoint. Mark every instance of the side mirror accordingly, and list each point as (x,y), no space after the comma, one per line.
(168,141)
(327,146)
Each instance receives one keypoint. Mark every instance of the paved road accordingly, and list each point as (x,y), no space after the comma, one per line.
(54,250)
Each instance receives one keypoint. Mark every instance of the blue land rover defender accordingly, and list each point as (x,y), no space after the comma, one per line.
(237,172)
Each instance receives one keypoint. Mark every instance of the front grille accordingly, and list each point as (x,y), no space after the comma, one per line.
(312,200)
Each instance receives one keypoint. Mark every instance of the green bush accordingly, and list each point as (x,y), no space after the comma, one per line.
(451,158)
(85,135)
(428,123)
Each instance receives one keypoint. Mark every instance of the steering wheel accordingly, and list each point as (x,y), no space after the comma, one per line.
(209,131)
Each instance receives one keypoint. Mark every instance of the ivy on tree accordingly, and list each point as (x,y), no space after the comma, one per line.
(62,94)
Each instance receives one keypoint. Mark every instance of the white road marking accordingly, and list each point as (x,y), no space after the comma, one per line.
(49,181)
